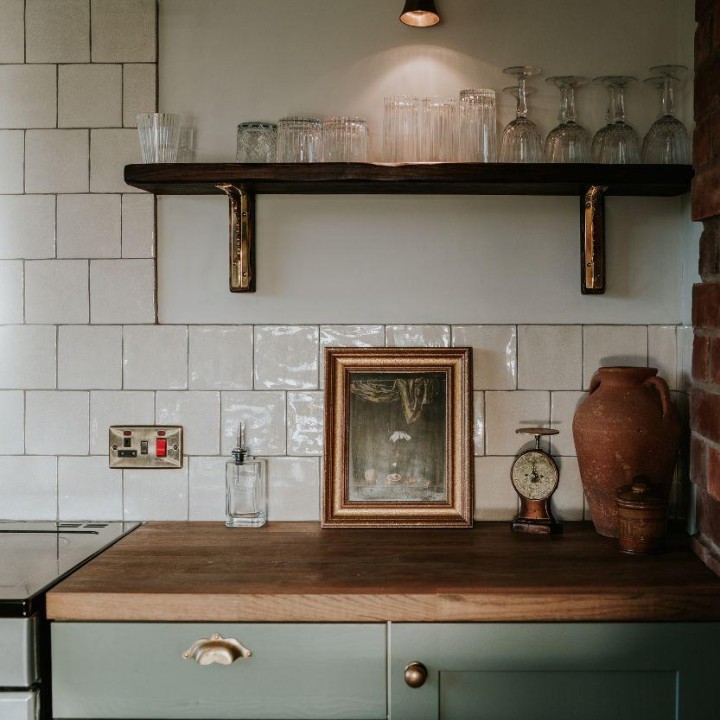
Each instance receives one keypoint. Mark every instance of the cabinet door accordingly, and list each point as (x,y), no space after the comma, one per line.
(578,671)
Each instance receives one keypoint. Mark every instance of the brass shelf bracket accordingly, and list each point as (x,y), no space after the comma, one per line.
(242,237)
(592,241)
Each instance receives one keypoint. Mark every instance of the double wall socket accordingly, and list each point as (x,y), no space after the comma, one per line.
(145,446)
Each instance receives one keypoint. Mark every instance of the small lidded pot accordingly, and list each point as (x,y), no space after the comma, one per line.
(642,517)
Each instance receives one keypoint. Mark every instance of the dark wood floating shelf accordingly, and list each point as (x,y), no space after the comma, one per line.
(242,182)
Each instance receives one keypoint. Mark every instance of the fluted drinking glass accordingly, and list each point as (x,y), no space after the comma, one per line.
(569,142)
(521,140)
(617,142)
(478,126)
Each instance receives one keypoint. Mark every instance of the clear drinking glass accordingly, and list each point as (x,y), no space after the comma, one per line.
(478,126)
(521,140)
(344,139)
(438,130)
(186,144)
(299,140)
(159,136)
(569,142)
(256,142)
(400,128)
(667,140)
(617,142)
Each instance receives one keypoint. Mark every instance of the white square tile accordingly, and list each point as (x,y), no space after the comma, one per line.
(495,497)
(27,356)
(12,149)
(122,291)
(155,357)
(28,488)
(12,31)
(478,423)
(56,291)
(155,494)
(56,161)
(89,96)
(605,345)
(57,31)
(90,357)
(123,32)
(117,408)
(563,405)
(27,225)
(138,226)
(28,93)
(88,489)
(11,291)
(662,352)
(507,411)
(139,91)
(568,500)
(685,337)
(293,488)
(550,357)
(262,414)
(348,336)
(221,357)
(207,488)
(286,357)
(198,413)
(88,226)
(417,335)
(57,422)
(110,152)
(494,354)
(12,422)
(305,423)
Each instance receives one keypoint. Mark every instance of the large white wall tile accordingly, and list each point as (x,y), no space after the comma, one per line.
(123,31)
(286,357)
(122,291)
(117,408)
(507,411)
(110,152)
(12,31)
(662,352)
(88,489)
(198,413)
(27,356)
(57,422)
(207,488)
(494,354)
(478,423)
(56,161)
(495,497)
(417,335)
(138,226)
(56,291)
(28,93)
(90,357)
(563,404)
(88,226)
(11,291)
(613,345)
(294,488)
(12,422)
(221,357)
(348,336)
(155,494)
(27,226)
(89,96)
(12,148)
(685,336)
(305,423)
(139,91)
(550,357)
(57,31)
(28,488)
(263,417)
(568,500)
(155,358)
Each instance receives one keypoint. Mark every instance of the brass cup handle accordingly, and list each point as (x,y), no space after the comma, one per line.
(415,674)
(216,649)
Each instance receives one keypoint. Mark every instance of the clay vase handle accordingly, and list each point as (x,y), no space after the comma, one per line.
(594,383)
(663,390)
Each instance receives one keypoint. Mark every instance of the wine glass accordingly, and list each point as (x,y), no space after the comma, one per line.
(617,142)
(666,142)
(569,142)
(521,140)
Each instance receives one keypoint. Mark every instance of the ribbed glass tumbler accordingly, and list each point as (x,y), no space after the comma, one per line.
(478,126)
(400,129)
(159,136)
(299,140)
(256,142)
(345,139)
(438,130)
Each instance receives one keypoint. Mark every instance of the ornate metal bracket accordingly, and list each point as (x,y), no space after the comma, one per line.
(242,237)
(592,241)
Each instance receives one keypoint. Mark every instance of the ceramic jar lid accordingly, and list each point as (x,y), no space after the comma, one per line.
(639,494)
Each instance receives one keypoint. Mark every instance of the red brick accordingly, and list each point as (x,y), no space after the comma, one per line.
(706,192)
(706,306)
(715,361)
(703,42)
(705,413)
(708,515)
(707,86)
(712,479)
(702,143)
(701,7)
(709,265)
(698,465)
(700,358)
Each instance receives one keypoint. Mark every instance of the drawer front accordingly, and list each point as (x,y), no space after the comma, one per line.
(19,705)
(137,670)
(18,659)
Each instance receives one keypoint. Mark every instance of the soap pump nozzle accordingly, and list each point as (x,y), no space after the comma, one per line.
(239,452)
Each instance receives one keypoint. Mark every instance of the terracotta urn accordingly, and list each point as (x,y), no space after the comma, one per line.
(626,427)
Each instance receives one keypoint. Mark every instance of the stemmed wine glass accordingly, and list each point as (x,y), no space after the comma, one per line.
(569,142)
(666,142)
(521,140)
(617,142)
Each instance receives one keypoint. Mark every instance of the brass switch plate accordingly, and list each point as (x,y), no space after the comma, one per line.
(148,447)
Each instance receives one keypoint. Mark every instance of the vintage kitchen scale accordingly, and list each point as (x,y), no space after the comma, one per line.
(535,477)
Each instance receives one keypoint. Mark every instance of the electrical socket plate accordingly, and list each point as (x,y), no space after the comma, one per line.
(142,447)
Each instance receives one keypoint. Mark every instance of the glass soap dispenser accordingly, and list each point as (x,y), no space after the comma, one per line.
(246,486)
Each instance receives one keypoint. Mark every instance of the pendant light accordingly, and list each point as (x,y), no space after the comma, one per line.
(420,13)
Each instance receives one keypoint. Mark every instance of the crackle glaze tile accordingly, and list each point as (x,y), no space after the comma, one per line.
(286,357)
(207,488)
(605,345)
(221,357)
(198,413)
(262,414)
(662,352)
(494,354)
(57,422)
(88,489)
(28,487)
(549,357)
(155,494)
(117,408)
(305,423)
(294,488)
(495,497)
(563,405)
(417,335)
(507,411)
(348,336)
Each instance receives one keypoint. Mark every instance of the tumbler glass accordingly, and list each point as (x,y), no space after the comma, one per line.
(299,140)
(400,128)
(256,142)
(478,128)
(438,130)
(521,139)
(344,139)
(159,136)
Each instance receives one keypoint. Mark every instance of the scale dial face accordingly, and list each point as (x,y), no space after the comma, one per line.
(535,475)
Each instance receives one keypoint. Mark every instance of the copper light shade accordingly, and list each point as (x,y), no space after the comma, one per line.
(420,13)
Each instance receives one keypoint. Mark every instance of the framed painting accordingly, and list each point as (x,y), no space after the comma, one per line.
(398,433)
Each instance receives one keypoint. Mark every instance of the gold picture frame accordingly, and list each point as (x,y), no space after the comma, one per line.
(398,438)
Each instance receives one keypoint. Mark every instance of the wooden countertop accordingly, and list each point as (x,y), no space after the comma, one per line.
(296,572)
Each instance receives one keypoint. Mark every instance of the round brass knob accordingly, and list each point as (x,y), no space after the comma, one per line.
(415,674)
